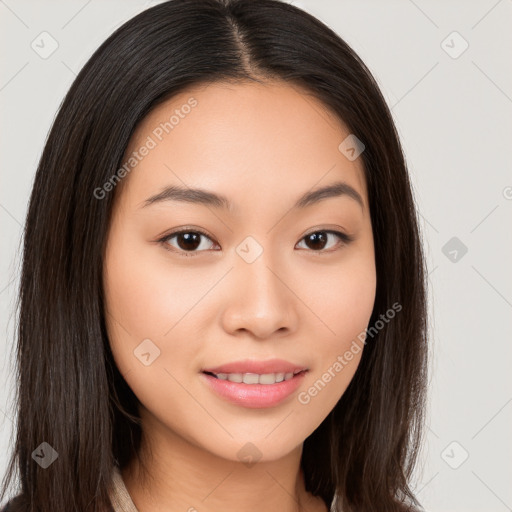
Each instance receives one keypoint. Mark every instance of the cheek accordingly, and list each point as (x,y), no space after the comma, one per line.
(145,288)
(342,296)
(147,299)
(344,301)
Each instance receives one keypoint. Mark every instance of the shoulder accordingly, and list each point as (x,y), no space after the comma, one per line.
(7,507)
(18,504)
(13,505)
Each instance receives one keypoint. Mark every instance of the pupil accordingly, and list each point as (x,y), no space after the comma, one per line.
(316,237)
(190,243)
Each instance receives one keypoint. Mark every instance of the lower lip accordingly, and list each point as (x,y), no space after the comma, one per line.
(254,396)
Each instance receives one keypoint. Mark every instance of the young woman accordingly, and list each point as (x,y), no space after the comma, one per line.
(223,295)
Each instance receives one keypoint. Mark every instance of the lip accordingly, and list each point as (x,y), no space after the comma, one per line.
(260,367)
(253,396)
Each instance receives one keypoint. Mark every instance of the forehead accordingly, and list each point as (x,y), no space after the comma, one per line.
(273,138)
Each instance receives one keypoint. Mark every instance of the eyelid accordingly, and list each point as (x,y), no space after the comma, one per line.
(186,229)
(338,232)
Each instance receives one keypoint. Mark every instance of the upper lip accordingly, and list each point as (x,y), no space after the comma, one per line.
(260,367)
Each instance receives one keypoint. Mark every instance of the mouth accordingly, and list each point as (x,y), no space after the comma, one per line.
(265,379)
(255,385)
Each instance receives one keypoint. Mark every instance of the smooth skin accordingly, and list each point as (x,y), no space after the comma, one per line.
(262,146)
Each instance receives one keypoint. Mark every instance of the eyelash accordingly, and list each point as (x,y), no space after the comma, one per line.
(346,239)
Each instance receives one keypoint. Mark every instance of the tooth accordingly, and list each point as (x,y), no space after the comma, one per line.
(251,378)
(256,378)
(268,378)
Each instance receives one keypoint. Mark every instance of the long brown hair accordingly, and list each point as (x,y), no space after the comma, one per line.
(70,393)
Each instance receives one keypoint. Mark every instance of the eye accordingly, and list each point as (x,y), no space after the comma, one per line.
(317,240)
(188,241)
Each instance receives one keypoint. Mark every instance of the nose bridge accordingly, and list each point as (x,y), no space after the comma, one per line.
(258,267)
(259,301)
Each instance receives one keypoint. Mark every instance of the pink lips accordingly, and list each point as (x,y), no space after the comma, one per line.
(255,396)
(260,367)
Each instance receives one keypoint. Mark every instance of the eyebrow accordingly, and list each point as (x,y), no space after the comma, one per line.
(204,197)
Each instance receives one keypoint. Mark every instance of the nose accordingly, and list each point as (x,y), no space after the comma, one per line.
(260,300)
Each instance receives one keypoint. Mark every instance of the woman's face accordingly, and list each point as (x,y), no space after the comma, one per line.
(268,279)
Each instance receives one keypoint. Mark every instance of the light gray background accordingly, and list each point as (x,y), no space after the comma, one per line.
(454,119)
